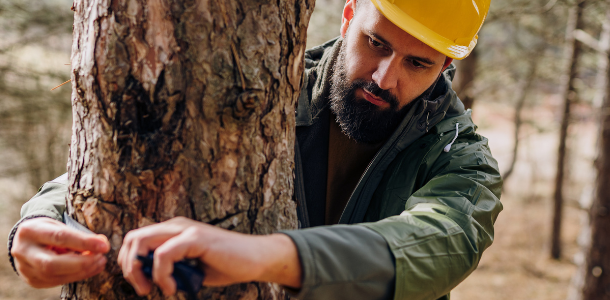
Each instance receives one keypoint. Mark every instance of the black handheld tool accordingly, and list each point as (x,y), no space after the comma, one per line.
(187,275)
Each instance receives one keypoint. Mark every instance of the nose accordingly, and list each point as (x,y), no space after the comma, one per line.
(387,73)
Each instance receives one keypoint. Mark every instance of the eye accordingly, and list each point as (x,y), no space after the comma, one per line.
(415,63)
(376,45)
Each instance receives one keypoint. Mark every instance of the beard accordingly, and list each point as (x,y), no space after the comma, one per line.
(359,119)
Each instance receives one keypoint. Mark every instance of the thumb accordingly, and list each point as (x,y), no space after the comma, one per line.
(64,237)
(102,245)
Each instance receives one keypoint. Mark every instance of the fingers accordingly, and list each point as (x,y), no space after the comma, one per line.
(134,275)
(65,264)
(50,232)
(131,266)
(42,268)
(173,250)
(37,279)
(140,242)
(149,237)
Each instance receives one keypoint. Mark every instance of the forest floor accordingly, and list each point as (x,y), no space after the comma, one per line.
(517,265)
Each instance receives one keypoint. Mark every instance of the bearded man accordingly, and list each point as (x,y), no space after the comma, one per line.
(387,159)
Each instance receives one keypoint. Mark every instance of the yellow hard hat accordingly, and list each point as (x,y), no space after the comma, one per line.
(449,26)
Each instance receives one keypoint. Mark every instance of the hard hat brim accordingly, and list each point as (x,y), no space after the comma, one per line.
(423,33)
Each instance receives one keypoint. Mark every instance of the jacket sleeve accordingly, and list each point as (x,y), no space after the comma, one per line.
(343,262)
(50,201)
(440,237)
(432,246)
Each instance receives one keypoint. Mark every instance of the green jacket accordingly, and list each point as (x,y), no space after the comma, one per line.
(423,216)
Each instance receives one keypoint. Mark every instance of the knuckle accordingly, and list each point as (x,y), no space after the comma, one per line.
(86,266)
(161,255)
(46,266)
(127,274)
(58,237)
(23,231)
(17,252)
(130,237)
(194,231)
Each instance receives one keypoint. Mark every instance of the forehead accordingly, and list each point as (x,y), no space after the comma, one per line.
(369,20)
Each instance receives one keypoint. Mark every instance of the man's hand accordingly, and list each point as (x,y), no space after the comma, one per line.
(37,246)
(228,257)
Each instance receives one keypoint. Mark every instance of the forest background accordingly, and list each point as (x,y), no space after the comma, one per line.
(519,66)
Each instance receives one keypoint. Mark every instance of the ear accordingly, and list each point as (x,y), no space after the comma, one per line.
(448,61)
(348,14)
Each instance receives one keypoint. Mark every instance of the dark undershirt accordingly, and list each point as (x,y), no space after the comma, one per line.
(347,160)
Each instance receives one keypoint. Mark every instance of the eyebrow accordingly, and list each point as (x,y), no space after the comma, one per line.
(413,57)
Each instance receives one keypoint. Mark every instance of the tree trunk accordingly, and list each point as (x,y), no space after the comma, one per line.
(577,283)
(523,93)
(183,108)
(573,49)
(467,71)
(596,285)
(597,278)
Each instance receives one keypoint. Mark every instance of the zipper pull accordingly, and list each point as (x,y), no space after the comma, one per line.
(448,147)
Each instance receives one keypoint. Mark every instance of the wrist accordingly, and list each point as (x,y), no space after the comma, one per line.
(281,263)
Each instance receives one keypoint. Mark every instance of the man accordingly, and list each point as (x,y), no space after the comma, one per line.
(383,145)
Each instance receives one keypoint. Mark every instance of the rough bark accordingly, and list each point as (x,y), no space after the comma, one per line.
(573,49)
(183,108)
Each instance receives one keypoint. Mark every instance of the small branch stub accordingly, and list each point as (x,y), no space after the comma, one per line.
(60,85)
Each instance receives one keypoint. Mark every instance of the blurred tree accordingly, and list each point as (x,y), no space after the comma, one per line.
(184,109)
(325,22)
(522,95)
(591,280)
(34,122)
(597,276)
(465,77)
(573,50)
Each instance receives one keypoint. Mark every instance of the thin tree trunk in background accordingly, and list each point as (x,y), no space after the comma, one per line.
(183,108)
(585,237)
(596,273)
(573,49)
(518,109)
(467,71)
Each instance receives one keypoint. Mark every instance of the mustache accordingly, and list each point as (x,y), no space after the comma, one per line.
(374,89)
